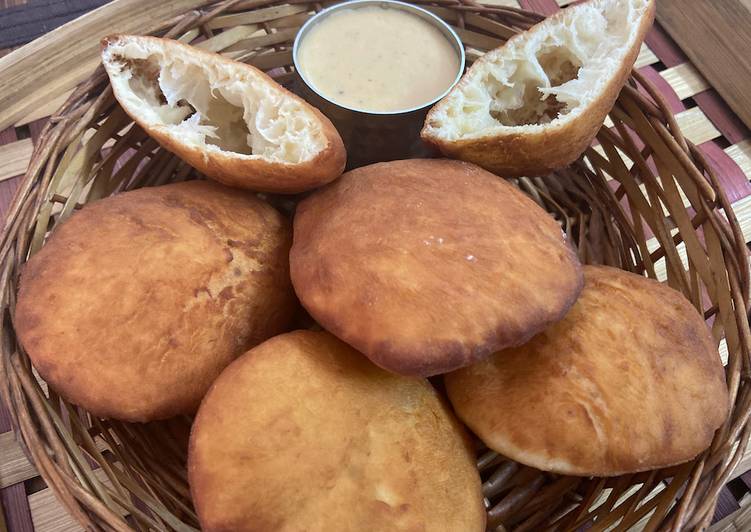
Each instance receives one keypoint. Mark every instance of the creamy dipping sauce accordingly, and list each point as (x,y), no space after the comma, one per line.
(379,59)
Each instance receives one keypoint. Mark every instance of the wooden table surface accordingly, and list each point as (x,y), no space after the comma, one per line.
(712,33)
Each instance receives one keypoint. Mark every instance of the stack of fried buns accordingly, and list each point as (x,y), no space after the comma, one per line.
(187,298)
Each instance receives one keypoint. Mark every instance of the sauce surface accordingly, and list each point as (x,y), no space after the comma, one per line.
(378,59)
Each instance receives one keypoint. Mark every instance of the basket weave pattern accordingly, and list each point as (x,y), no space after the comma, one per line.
(651,185)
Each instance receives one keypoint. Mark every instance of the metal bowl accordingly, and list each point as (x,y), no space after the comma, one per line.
(372,136)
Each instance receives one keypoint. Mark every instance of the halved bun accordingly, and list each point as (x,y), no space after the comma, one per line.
(535,103)
(227,119)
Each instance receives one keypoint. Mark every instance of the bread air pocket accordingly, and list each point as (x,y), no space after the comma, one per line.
(227,119)
(535,103)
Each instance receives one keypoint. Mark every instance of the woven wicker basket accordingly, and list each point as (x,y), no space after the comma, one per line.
(644,200)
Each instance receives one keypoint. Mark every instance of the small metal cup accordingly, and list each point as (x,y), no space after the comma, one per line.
(371,136)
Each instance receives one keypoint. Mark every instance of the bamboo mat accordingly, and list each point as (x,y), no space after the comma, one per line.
(722,52)
(702,114)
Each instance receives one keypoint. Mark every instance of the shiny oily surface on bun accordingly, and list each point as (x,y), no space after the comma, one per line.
(138,301)
(226,118)
(304,433)
(429,265)
(629,381)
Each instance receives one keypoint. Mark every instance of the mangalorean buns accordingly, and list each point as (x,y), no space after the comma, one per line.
(225,118)
(138,301)
(429,265)
(535,103)
(304,433)
(629,380)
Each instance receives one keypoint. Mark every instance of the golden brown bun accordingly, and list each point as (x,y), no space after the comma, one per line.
(629,381)
(303,433)
(247,131)
(429,265)
(138,301)
(496,116)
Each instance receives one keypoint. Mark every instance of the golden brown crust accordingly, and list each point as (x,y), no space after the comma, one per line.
(254,174)
(429,265)
(629,381)
(331,443)
(138,301)
(553,146)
